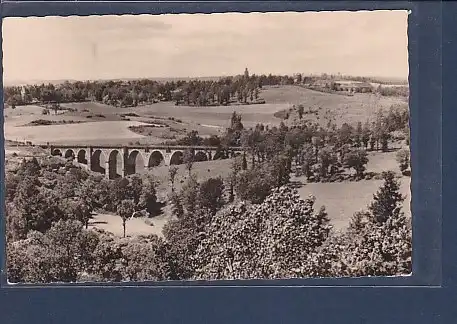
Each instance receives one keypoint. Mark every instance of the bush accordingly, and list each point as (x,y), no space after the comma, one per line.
(41,122)
(377,243)
(356,159)
(268,241)
(403,159)
(59,255)
(254,185)
(145,258)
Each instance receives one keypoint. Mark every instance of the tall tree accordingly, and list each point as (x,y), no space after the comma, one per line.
(403,158)
(125,210)
(211,194)
(189,159)
(246,73)
(387,202)
(356,159)
(301,110)
(366,133)
(172,172)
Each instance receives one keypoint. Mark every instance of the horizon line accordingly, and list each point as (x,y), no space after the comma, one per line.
(17,82)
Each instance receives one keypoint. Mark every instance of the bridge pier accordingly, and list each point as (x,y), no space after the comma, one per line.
(108,170)
(125,159)
(167,158)
(89,153)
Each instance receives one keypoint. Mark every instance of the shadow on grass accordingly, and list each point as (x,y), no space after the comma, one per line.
(296,184)
(97,223)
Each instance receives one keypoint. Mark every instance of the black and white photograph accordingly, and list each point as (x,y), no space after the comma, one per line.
(229,146)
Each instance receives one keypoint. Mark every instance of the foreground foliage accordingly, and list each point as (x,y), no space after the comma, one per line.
(269,240)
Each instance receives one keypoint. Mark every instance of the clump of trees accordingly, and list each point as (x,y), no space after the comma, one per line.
(39,195)
(240,89)
(393,91)
(256,183)
(324,153)
(378,241)
(56,255)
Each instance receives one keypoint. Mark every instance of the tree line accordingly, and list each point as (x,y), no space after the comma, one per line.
(224,91)
(241,89)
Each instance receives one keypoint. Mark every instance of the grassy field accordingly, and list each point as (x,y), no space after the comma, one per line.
(345,108)
(108,126)
(342,200)
(103,132)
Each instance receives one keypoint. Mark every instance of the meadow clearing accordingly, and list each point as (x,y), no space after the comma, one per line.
(109,125)
(206,120)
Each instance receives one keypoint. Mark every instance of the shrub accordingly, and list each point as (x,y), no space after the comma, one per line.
(403,159)
(356,159)
(41,122)
(269,241)
(145,258)
(211,194)
(59,255)
(254,185)
(377,243)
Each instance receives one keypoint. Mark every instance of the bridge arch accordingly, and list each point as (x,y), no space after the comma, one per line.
(81,157)
(115,164)
(219,155)
(135,163)
(98,161)
(177,157)
(156,158)
(56,152)
(69,154)
(200,156)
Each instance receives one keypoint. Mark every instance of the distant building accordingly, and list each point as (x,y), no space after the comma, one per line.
(322,83)
(353,86)
(23,93)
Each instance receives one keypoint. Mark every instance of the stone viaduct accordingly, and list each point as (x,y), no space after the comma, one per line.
(122,161)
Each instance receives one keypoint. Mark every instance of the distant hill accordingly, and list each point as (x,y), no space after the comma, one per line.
(10,83)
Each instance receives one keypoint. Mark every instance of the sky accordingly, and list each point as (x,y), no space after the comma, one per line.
(370,43)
